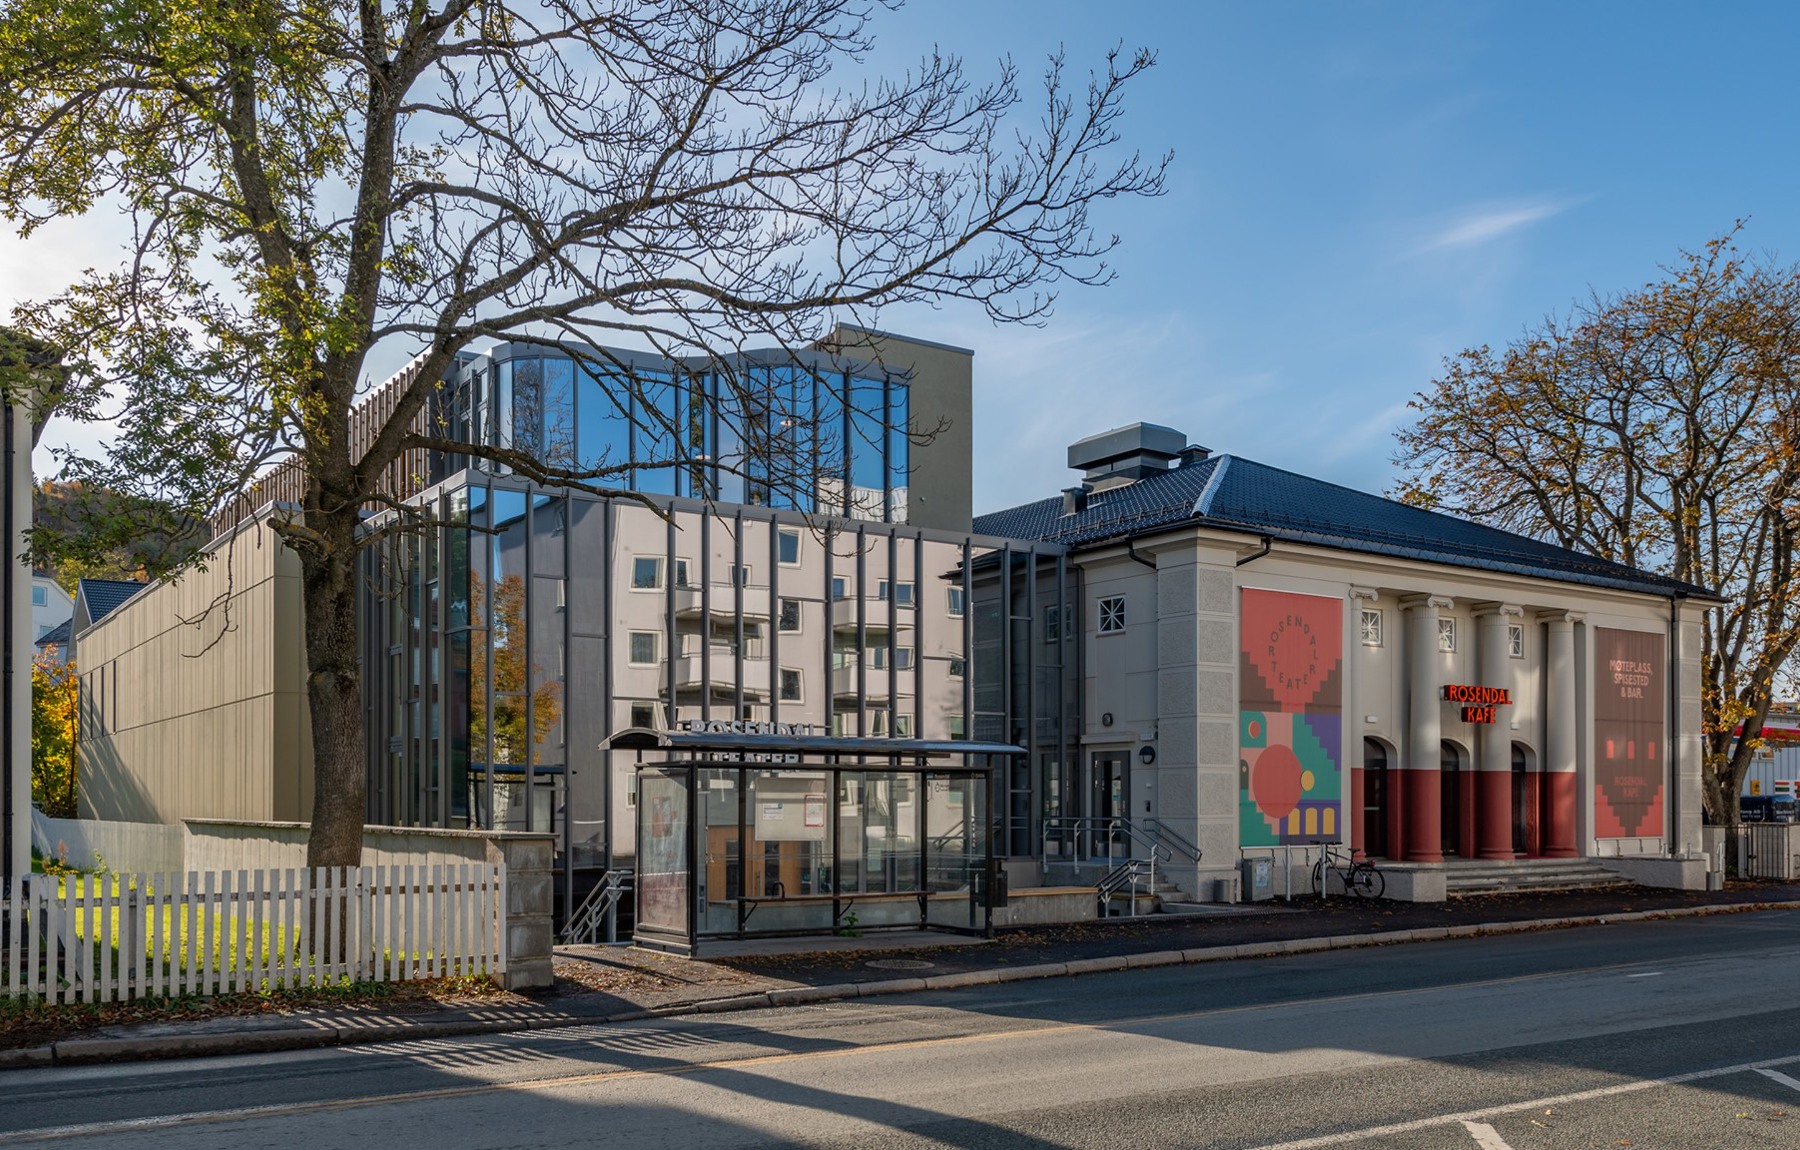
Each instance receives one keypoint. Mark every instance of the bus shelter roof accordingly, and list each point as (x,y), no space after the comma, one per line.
(808,748)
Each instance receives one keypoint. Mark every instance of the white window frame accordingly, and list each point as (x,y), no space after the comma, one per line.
(903,727)
(738,573)
(840,589)
(40,596)
(681,573)
(1515,640)
(799,616)
(1446,641)
(657,561)
(954,602)
(631,714)
(958,667)
(903,658)
(1372,635)
(1112,611)
(799,685)
(786,534)
(1052,623)
(655,645)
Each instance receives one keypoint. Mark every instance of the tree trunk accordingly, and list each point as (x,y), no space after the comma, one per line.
(334,694)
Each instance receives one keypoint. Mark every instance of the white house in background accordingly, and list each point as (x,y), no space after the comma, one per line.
(51,606)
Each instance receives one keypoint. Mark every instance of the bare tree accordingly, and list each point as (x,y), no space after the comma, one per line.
(1658,428)
(308,182)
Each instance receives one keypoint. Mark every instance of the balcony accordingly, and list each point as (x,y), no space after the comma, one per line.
(722,668)
(843,616)
(722,601)
(843,682)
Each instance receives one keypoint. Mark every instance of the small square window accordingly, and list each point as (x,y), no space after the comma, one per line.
(40,597)
(1515,640)
(903,726)
(740,575)
(647,573)
(790,685)
(644,646)
(903,658)
(1112,615)
(1371,628)
(838,723)
(789,544)
(1447,635)
(838,589)
(790,615)
(956,601)
(956,724)
(643,715)
(878,723)
(681,573)
(958,667)
(878,657)
(903,593)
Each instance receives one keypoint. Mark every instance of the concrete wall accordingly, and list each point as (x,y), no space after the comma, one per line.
(126,848)
(939,492)
(192,694)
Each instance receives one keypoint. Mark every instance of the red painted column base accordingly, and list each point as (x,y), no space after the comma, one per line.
(1560,795)
(1424,829)
(1493,814)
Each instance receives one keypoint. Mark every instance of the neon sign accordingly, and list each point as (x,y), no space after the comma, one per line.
(1478,703)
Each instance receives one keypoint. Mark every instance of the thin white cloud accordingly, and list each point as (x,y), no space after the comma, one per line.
(1489,222)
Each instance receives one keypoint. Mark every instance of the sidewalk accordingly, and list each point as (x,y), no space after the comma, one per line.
(598,984)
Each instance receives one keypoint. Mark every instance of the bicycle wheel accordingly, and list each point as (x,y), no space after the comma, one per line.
(1319,878)
(1368,882)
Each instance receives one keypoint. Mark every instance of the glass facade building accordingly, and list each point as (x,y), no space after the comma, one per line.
(763,570)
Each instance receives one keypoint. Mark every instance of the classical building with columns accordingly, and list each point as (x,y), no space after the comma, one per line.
(1263,662)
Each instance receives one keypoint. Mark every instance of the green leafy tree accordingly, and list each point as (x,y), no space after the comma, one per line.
(55,697)
(309,182)
(1659,428)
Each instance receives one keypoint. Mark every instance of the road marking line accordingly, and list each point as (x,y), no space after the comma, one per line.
(1650,974)
(1486,1136)
(1779,1077)
(1468,1116)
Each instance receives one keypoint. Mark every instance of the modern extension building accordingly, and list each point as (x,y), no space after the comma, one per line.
(1198,658)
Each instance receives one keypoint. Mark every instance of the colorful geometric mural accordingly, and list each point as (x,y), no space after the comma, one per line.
(1629,675)
(1290,719)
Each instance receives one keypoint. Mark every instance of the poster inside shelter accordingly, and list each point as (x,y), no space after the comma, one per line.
(1630,688)
(1290,718)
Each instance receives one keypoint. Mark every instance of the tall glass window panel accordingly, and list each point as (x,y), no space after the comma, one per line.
(792,458)
(557,444)
(653,437)
(547,675)
(603,427)
(528,398)
(830,462)
(867,440)
(508,629)
(899,453)
(501,432)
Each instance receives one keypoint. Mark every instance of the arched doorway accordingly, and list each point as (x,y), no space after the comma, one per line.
(1450,782)
(1521,799)
(1375,799)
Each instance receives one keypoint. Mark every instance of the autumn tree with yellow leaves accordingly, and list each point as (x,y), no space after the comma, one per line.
(1659,428)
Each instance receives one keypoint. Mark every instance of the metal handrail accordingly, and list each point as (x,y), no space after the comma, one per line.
(1128,873)
(1173,839)
(585,924)
(1108,830)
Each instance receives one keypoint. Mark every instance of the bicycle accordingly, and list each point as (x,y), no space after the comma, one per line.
(1359,876)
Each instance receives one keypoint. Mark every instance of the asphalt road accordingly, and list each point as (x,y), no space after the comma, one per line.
(1671,1034)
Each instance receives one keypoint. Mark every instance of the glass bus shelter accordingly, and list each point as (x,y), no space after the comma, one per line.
(744,834)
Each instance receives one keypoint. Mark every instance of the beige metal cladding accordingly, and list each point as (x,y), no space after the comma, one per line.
(939,491)
(193,698)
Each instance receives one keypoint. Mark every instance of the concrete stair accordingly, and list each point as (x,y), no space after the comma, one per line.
(1513,876)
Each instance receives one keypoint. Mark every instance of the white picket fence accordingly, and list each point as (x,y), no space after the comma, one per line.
(99,938)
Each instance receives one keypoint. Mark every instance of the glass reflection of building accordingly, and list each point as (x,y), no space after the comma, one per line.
(765,570)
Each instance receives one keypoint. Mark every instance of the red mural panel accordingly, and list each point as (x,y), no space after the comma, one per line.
(1629,680)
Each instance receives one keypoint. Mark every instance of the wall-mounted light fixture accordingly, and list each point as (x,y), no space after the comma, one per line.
(1147,754)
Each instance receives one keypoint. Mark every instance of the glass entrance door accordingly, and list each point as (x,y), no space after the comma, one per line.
(1109,802)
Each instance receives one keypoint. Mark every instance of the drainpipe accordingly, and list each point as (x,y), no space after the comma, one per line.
(1131,550)
(1268,544)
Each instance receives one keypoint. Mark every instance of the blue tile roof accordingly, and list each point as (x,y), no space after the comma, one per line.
(105,595)
(1240,494)
(58,635)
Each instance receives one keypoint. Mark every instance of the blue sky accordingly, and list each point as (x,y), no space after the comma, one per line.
(1359,190)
